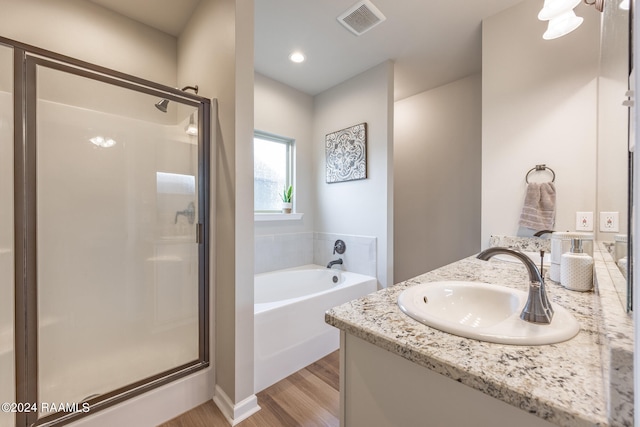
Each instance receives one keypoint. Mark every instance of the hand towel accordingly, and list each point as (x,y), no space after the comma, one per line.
(539,209)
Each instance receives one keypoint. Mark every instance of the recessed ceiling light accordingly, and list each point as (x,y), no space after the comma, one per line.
(297,57)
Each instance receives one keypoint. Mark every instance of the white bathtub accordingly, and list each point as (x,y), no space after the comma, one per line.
(290,332)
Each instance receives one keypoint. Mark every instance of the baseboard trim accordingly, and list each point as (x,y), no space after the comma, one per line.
(238,412)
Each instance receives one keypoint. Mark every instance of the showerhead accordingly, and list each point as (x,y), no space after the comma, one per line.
(164,103)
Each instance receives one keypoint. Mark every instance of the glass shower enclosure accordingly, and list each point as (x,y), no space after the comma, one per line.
(106,284)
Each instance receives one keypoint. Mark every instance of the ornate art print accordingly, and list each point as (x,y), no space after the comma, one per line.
(346,152)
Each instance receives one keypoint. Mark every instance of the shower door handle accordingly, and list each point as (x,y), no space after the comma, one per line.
(199,236)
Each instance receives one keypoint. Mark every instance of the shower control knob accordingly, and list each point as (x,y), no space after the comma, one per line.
(339,247)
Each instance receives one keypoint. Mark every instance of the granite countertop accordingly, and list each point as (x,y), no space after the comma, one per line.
(562,383)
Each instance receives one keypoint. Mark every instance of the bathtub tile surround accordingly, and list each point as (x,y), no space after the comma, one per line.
(562,383)
(360,256)
(282,251)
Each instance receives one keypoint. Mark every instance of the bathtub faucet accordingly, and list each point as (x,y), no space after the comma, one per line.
(334,262)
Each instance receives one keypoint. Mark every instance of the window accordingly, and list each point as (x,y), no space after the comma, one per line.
(272,170)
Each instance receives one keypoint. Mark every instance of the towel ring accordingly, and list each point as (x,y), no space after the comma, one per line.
(540,168)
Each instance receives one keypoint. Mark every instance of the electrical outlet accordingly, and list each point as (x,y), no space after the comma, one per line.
(609,222)
(584,221)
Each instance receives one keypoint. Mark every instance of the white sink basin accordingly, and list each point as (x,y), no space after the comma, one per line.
(484,312)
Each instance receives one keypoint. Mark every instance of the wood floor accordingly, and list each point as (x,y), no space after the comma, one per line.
(308,398)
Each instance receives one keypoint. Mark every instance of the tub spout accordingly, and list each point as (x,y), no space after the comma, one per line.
(334,262)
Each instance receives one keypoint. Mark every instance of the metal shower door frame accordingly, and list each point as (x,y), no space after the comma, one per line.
(26,60)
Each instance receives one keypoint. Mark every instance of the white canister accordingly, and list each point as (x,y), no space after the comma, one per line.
(576,268)
(561,243)
(621,246)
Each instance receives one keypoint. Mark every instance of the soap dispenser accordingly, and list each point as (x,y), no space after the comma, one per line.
(576,270)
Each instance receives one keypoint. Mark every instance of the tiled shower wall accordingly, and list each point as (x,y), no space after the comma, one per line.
(280,251)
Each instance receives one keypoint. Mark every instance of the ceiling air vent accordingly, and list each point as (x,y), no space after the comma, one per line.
(361,17)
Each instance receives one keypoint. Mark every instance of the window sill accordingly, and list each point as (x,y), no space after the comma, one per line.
(277,216)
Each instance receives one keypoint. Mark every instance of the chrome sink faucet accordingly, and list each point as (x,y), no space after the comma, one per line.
(537,308)
(334,262)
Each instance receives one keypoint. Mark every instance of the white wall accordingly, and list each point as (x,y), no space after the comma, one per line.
(284,111)
(538,107)
(359,207)
(216,52)
(613,118)
(437,149)
(86,31)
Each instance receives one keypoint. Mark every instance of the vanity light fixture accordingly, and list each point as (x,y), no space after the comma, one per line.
(562,19)
(599,4)
(553,8)
(102,142)
(297,57)
(191,128)
(562,25)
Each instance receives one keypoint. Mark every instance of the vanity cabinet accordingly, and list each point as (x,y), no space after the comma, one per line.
(396,371)
(379,388)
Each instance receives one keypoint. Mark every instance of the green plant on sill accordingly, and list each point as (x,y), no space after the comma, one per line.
(287,194)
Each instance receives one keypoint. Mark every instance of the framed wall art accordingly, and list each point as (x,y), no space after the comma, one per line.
(346,152)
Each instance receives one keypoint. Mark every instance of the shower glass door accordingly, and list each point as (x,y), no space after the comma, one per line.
(7,284)
(118,230)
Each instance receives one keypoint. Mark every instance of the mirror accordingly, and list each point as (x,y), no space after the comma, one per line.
(613,124)
(601,191)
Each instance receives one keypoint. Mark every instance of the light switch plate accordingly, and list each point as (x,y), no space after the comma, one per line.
(609,222)
(584,221)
